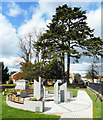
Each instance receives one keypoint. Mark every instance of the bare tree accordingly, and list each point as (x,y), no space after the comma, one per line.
(37,35)
(25,48)
(26,45)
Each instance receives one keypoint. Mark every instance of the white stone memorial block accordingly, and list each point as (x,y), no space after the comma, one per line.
(63,92)
(56,93)
(36,90)
(40,87)
(22,85)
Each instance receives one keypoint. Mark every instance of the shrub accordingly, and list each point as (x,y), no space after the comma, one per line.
(10,81)
(33,99)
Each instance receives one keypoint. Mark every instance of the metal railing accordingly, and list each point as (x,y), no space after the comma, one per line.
(98,87)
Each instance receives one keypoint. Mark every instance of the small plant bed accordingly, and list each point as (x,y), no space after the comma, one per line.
(35,99)
(96,104)
(33,104)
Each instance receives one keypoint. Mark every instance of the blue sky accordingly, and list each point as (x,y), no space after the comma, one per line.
(20,18)
(29,8)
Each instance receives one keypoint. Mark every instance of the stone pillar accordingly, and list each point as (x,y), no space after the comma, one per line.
(56,93)
(36,90)
(24,85)
(39,92)
(44,91)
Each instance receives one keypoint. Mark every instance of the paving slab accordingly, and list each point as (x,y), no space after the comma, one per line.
(80,107)
(83,107)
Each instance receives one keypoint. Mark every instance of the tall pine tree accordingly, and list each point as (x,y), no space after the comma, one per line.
(68,33)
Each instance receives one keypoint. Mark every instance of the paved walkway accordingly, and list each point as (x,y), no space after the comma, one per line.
(80,107)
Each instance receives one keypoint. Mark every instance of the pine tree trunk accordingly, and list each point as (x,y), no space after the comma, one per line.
(63,69)
(101,68)
(68,68)
(68,62)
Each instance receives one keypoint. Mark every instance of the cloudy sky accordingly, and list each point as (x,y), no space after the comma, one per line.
(19,18)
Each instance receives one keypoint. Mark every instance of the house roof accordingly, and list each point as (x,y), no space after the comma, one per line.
(15,74)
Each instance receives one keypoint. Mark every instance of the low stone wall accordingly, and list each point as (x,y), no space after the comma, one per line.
(35,106)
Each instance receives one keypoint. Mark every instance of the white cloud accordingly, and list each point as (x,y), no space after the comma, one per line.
(8,37)
(37,21)
(15,10)
(14,69)
(94,21)
(68,0)
(48,9)
(81,68)
(11,61)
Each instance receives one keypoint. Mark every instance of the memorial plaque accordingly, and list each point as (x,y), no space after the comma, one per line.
(63,91)
(62,95)
(37,109)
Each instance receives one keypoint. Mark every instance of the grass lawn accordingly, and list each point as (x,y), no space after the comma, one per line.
(102,110)
(9,84)
(74,90)
(10,112)
(96,105)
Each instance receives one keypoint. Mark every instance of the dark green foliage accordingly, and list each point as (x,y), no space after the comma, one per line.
(51,70)
(12,72)
(10,81)
(77,78)
(4,75)
(37,70)
(27,72)
(92,72)
(67,32)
